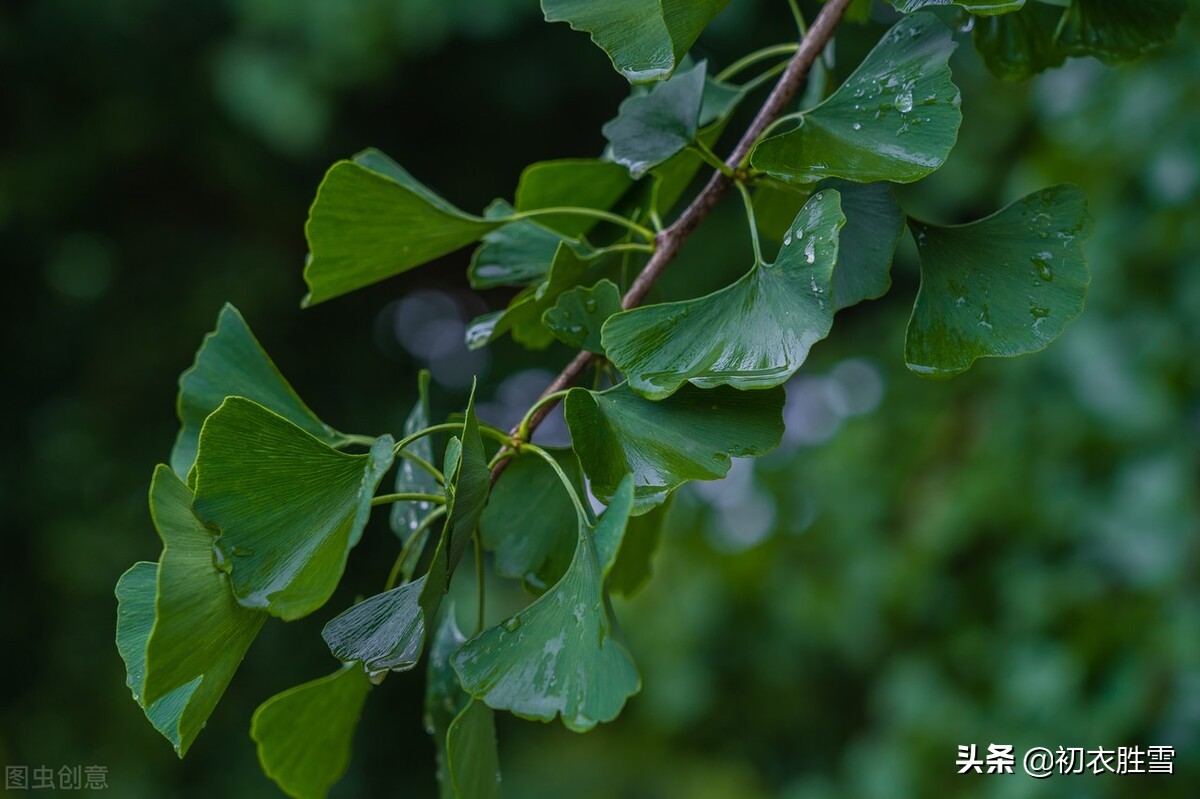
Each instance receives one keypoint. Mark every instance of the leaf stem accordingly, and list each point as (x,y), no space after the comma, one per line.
(709,157)
(749,203)
(628,246)
(781,121)
(449,427)
(479,584)
(523,427)
(417,460)
(406,550)
(566,481)
(801,25)
(753,58)
(595,213)
(384,499)
(755,82)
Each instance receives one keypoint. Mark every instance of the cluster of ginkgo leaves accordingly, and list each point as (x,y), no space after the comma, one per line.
(263,501)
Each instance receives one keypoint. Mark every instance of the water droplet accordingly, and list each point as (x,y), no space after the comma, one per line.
(857,126)
(589,305)
(959,301)
(1043,262)
(966,26)
(904,101)
(512,625)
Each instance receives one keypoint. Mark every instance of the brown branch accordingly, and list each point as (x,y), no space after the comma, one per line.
(672,238)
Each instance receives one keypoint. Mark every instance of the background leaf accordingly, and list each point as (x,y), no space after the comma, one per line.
(752,334)
(579,182)
(372,220)
(651,127)
(867,242)
(1116,31)
(289,509)
(231,362)
(691,435)
(1005,285)
(980,7)
(474,762)
(646,39)
(305,734)
(406,517)
(559,656)
(633,566)
(579,314)
(517,254)
(895,118)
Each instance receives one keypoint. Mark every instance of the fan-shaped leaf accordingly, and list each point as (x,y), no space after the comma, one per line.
(867,242)
(895,118)
(372,220)
(1116,30)
(559,656)
(691,435)
(651,127)
(646,39)
(633,565)
(578,182)
(529,519)
(231,362)
(517,254)
(288,508)
(1005,285)
(1018,46)
(305,734)
(579,314)
(754,333)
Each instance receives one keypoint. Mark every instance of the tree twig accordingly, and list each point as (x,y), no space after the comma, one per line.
(668,241)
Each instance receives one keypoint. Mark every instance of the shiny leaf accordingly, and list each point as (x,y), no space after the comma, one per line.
(1005,285)
(372,220)
(305,734)
(646,39)
(200,632)
(559,656)
(288,508)
(231,362)
(867,242)
(980,7)
(895,118)
(752,334)
(578,182)
(651,127)
(579,314)
(633,565)
(386,632)
(529,519)
(691,435)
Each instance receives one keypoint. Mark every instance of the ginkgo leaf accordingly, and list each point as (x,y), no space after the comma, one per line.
(646,39)
(200,632)
(372,220)
(691,435)
(444,698)
(1116,31)
(633,566)
(1004,285)
(523,317)
(529,520)
(1017,46)
(577,182)
(517,254)
(387,632)
(406,517)
(305,734)
(288,508)
(231,362)
(651,127)
(980,7)
(135,617)
(559,656)
(867,242)
(579,314)
(895,118)
(754,333)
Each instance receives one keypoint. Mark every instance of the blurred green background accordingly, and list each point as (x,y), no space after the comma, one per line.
(1010,557)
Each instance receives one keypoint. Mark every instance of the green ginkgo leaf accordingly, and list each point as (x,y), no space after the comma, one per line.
(634,563)
(305,734)
(559,656)
(523,316)
(577,182)
(651,127)
(231,362)
(1002,286)
(406,517)
(1017,46)
(135,618)
(754,333)
(691,435)
(472,756)
(387,632)
(517,254)
(372,220)
(579,314)
(980,7)
(444,698)
(1116,31)
(895,118)
(646,39)
(529,520)
(288,507)
(867,242)
(200,632)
